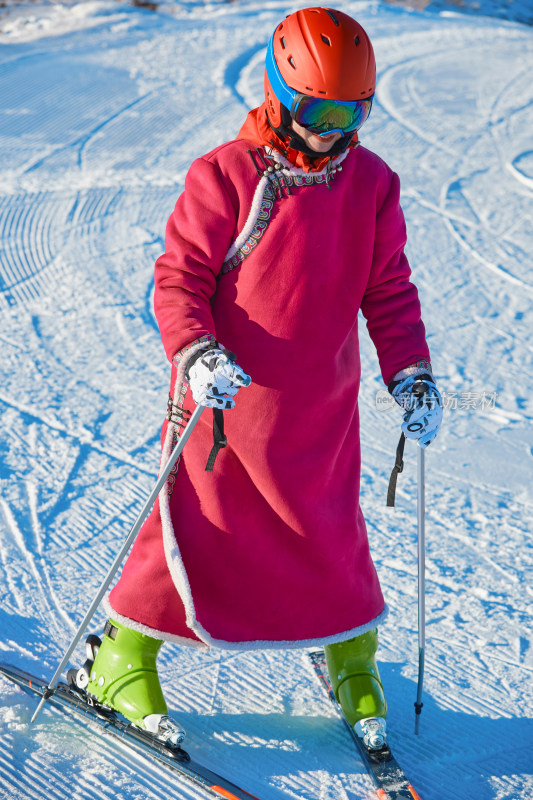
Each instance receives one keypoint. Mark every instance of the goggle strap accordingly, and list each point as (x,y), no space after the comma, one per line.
(283,92)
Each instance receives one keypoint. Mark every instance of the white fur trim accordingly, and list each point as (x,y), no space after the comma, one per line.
(258,644)
(172,552)
(409,372)
(251,220)
(153,632)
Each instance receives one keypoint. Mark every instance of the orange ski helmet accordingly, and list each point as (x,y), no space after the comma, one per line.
(321,52)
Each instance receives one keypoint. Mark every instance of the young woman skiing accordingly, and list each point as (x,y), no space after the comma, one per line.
(280,237)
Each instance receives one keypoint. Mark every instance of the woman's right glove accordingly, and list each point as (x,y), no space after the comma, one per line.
(215,378)
(422,403)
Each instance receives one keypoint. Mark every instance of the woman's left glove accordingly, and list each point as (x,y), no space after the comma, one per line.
(422,403)
(215,378)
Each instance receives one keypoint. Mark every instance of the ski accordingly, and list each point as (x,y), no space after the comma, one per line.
(387,775)
(74,703)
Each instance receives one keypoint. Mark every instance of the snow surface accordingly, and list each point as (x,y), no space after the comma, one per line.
(103,108)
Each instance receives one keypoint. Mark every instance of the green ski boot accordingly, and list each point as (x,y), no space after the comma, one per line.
(120,672)
(357,686)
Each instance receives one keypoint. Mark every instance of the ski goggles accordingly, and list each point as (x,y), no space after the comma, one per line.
(319,115)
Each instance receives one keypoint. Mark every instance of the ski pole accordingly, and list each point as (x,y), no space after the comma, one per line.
(180,444)
(421,509)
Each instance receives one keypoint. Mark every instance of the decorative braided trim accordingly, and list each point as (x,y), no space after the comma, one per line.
(251,235)
(281,175)
(176,414)
(181,358)
(417,368)
(255,210)
(299,172)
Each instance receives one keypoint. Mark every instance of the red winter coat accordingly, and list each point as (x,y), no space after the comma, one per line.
(270,549)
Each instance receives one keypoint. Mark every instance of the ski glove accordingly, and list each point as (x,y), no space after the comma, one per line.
(215,378)
(422,403)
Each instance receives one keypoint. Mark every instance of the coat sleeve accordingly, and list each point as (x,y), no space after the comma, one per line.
(198,236)
(390,303)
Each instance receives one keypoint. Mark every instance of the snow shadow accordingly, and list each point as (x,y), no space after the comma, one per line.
(284,742)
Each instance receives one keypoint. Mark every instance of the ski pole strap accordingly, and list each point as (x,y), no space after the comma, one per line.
(398,467)
(219,440)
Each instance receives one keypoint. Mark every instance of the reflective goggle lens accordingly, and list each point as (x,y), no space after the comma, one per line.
(325,116)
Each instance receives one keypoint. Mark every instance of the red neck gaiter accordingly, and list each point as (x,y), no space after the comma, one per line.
(256,129)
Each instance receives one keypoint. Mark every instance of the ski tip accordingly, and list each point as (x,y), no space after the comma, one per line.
(225,793)
(382,794)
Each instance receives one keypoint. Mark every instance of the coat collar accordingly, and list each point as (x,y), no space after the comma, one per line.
(257,130)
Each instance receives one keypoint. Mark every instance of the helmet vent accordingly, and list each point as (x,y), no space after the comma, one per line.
(357,41)
(282,40)
(332,15)
(291,62)
(326,39)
